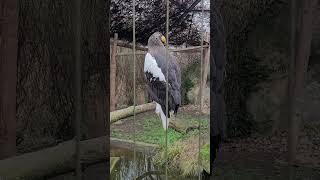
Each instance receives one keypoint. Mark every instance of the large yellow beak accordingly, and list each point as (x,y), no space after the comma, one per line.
(163,40)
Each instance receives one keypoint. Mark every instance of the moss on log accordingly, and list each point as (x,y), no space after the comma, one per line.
(52,161)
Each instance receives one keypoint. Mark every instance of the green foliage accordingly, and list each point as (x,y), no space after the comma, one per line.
(189,77)
(174,151)
(155,134)
(205,151)
(183,157)
(149,131)
(187,84)
(182,147)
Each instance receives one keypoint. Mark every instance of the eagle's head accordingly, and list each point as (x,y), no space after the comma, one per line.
(157,39)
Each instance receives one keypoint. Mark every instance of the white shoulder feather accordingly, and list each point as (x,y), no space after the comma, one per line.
(150,65)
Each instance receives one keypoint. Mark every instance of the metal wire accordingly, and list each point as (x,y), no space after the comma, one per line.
(201,80)
(167,87)
(134,82)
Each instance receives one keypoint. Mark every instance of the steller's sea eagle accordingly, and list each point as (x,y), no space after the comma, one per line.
(155,73)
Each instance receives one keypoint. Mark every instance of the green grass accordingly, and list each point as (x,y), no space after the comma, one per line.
(154,133)
(183,157)
(150,130)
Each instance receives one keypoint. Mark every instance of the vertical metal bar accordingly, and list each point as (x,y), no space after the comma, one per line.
(78,65)
(167,87)
(134,82)
(201,80)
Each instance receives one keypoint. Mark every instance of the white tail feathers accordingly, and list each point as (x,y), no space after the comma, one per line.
(162,116)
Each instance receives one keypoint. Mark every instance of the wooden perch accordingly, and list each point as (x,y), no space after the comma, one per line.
(177,124)
(52,161)
(127,112)
(181,127)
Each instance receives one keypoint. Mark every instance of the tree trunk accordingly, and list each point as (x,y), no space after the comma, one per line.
(113,74)
(8,75)
(300,52)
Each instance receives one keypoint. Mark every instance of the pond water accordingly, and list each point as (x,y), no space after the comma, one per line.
(124,170)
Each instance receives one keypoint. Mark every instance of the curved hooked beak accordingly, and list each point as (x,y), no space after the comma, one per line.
(163,40)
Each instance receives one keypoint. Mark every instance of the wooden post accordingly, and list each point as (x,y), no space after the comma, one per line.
(300,52)
(113,72)
(205,68)
(8,76)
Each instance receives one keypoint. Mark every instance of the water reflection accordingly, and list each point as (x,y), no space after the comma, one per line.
(124,170)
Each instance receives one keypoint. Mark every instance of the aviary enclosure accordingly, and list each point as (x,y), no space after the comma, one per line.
(271,88)
(147,129)
(140,147)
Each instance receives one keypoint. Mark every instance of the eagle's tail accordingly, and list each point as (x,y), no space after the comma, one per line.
(162,116)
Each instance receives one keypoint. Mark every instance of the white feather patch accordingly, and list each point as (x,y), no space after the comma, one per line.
(151,66)
(162,116)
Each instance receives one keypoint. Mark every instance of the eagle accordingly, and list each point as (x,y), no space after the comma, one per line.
(155,72)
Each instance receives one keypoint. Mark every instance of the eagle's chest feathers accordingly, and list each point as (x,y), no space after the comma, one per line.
(151,66)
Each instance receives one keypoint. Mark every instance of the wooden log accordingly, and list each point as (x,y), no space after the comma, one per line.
(127,112)
(176,124)
(181,127)
(52,161)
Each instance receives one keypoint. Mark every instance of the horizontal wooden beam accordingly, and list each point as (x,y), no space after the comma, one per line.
(130,54)
(128,45)
(180,50)
(188,49)
(141,48)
